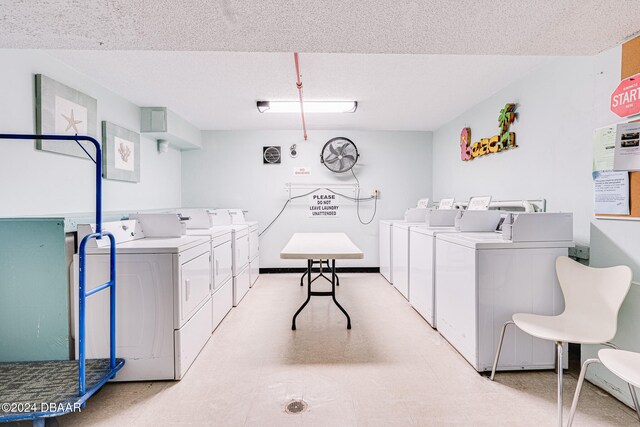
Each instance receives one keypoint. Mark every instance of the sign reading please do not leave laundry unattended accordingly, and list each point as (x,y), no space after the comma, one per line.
(324,204)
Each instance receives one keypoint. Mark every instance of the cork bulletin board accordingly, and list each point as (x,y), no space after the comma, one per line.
(630,66)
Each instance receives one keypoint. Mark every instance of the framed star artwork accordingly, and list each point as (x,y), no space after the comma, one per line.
(61,110)
(120,153)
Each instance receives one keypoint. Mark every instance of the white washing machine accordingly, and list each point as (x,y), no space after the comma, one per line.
(422,255)
(422,252)
(385,241)
(163,294)
(401,237)
(483,279)
(400,255)
(385,237)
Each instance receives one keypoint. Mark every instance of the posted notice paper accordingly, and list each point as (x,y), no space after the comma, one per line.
(604,144)
(611,191)
(627,151)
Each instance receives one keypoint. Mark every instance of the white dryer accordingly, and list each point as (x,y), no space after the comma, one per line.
(238,218)
(254,251)
(163,299)
(222,272)
(240,257)
(482,280)
(241,271)
(199,223)
(422,255)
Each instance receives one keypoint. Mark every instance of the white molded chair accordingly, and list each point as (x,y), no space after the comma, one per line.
(624,364)
(592,299)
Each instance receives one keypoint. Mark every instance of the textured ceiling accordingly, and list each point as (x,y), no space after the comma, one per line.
(219,90)
(484,27)
(209,61)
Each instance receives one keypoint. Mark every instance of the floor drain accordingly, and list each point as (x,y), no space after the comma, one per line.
(295,406)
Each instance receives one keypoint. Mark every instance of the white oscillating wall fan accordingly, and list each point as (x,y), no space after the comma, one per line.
(339,155)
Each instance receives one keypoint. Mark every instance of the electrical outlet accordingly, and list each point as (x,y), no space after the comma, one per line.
(582,252)
(579,252)
(375,193)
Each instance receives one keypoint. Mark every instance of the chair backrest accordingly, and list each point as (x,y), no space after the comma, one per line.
(593,295)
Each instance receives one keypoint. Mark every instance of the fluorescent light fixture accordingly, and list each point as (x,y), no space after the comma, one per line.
(309,106)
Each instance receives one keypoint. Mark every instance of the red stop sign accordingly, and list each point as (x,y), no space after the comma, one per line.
(625,100)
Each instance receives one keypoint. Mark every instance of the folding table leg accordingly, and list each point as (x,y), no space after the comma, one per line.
(302,278)
(293,322)
(333,292)
(337,278)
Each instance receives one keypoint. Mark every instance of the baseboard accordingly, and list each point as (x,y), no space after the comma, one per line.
(281,270)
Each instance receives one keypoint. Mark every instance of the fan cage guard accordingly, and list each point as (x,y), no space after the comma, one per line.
(347,141)
(272,155)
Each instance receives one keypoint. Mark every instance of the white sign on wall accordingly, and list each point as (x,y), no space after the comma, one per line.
(302,171)
(324,204)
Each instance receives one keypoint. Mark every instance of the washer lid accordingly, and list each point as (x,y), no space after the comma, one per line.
(407,225)
(156,245)
(432,231)
(390,221)
(494,240)
(215,231)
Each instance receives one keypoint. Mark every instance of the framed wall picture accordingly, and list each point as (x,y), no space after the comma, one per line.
(120,153)
(61,110)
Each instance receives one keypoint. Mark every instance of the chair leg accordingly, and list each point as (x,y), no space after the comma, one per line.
(634,397)
(495,361)
(576,396)
(559,367)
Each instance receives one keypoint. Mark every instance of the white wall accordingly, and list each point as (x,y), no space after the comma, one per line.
(553,133)
(40,183)
(228,172)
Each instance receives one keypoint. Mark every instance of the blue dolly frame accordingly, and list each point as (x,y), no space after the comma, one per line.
(114,364)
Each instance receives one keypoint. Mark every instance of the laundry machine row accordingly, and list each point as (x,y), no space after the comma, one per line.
(394,243)
(467,280)
(163,294)
(178,276)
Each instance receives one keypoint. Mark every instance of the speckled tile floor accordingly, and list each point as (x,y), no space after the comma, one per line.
(391,369)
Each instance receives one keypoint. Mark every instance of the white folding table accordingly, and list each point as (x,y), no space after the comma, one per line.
(321,246)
